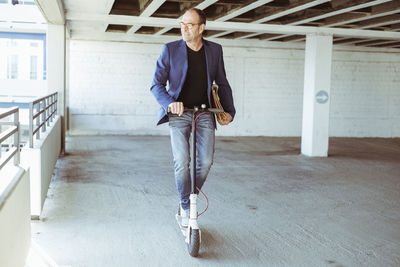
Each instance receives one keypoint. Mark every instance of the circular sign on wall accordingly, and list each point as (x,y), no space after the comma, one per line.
(322,97)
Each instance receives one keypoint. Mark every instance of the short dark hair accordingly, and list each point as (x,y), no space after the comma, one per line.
(201,14)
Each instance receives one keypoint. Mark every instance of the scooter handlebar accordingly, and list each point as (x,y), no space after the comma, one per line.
(197,109)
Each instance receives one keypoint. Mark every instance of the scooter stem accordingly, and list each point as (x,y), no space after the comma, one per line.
(193,207)
(193,169)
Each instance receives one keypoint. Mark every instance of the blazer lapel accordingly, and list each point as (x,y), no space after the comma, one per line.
(208,58)
(184,62)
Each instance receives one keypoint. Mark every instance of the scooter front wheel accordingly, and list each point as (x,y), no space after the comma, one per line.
(194,242)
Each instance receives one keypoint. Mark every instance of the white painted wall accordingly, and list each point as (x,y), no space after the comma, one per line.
(33,88)
(41,160)
(15,227)
(55,63)
(109,90)
(365,94)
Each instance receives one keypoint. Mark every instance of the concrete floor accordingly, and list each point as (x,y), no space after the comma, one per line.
(113,199)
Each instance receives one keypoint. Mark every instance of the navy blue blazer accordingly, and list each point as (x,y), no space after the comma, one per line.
(172,67)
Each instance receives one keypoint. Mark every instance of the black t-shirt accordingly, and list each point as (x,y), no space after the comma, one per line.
(194,91)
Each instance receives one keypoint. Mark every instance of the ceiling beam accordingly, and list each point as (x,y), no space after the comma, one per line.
(381,10)
(150,9)
(358,41)
(22,27)
(238,12)
(107,9)
(378,12)
(232,26)
(377,42)
(146,38)
(243,10)
(394,45)
(395,27)
(340,11)
(334,13)
(52,11)
(277,15)
(291,10)
(381,21)
(378,22)
(341,39)
(349,41)
(107,6)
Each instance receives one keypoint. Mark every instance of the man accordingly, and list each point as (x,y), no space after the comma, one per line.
(191,66)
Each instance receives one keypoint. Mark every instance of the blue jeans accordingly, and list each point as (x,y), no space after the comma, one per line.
(180,131)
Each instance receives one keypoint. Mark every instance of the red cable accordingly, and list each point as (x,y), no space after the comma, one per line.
(206,201)
(194,124)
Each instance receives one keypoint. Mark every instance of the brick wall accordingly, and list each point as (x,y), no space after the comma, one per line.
(109,83)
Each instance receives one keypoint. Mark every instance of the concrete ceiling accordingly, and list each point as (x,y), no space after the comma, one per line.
(373,23)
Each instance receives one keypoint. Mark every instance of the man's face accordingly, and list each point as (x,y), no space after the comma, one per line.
(190,27)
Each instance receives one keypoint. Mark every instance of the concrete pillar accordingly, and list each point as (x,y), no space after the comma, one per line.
(56,70)
(317,83)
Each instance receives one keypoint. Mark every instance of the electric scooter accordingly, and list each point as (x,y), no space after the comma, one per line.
(192,232)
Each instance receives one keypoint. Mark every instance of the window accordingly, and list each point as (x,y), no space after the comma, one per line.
(34,60)
(18,2)
(22,56)
(26,2)
(12,72)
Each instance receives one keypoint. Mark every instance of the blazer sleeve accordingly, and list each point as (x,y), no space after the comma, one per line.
(161,75)
(224,90)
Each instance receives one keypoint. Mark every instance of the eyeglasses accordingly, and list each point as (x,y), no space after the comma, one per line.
(189,25)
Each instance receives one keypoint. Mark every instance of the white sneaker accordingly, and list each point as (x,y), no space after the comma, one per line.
(184,217)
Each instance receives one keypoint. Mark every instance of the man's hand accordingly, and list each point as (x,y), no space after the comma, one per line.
(227,121)
(176,108)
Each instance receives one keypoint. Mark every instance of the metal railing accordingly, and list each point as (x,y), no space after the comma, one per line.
(46,110)
(4,135)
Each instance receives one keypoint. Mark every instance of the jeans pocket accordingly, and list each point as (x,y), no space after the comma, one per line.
(206,121)
(178,121)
